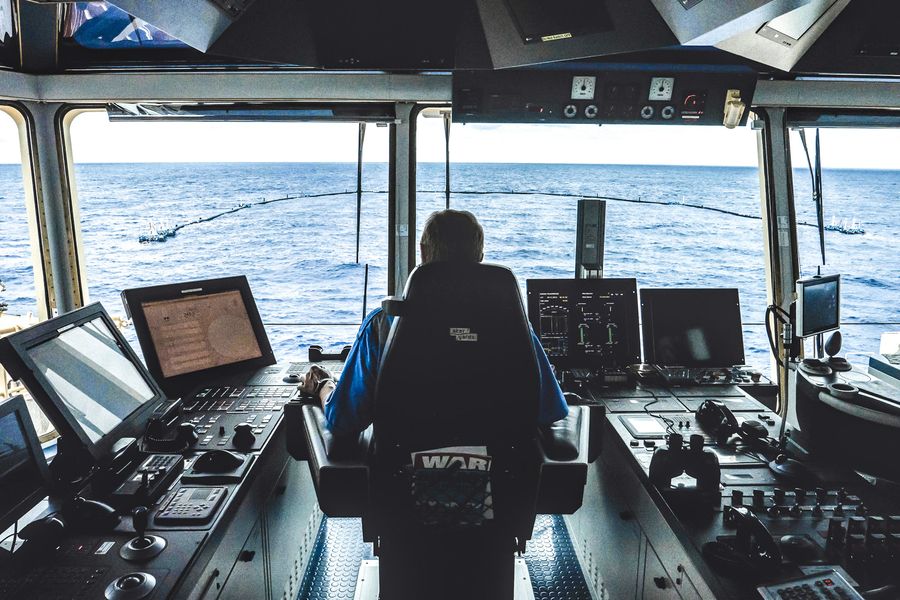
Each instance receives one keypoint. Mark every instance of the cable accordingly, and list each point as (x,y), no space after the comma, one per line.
(14,535)
(670,424)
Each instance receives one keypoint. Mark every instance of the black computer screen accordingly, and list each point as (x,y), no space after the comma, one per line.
(96,381)
(542,20)
(819,305)
(22,476)
(692,327)
(586,323)
(195,332)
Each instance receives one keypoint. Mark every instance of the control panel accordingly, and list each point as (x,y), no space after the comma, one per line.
(191,505)
(825,585)
(599,95)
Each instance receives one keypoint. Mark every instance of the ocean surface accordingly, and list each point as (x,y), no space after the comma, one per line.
(300,255)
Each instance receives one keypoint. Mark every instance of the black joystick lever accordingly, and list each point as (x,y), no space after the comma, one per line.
(187,434)
(140,517)
(243,436)
(142,547)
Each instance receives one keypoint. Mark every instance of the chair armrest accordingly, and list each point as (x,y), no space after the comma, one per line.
(564,453)
(338,466)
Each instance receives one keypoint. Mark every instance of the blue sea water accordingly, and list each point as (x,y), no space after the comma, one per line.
(300,255)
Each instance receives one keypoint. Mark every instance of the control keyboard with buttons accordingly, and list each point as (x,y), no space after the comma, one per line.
(240,399)
(191,505)
(825,585)
(216,429)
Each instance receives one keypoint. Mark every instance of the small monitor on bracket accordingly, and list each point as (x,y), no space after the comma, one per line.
(86,378)
(24,477)
(818,305)
(195,332)
(586,323)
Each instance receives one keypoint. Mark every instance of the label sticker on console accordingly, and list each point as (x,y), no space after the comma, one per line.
(104,547)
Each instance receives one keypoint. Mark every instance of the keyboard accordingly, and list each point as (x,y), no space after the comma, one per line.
(599,376)
(55,583)
(240,399)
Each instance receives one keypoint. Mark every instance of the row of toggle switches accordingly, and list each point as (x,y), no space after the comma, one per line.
(781,503)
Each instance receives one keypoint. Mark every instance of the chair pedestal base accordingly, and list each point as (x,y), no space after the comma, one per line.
(445,566)
(367,581)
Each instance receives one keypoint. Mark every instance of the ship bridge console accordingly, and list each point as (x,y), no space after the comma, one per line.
(722,439)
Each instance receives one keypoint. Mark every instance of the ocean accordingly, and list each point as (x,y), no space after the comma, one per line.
(300,255)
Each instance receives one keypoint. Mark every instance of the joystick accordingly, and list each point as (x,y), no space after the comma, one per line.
(142,547)
(832,347)
(187,434)
(133,586)
(243,436)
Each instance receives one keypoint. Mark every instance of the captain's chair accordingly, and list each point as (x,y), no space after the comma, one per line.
(458,369)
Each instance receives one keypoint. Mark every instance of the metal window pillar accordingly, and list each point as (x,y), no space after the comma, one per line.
(55,207)
(402,199)
(779,223)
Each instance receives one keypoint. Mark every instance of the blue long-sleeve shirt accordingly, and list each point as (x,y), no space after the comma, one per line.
(350,408)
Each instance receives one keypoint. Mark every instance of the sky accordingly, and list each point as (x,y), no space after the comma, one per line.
(95,139)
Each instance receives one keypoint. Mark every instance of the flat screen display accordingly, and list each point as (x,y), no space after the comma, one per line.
(97,382)
(201,332)
(20,476)
(586,323)
(692,327)
(551,20)
(820,306)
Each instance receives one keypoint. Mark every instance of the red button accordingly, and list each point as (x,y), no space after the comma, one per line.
(829,582)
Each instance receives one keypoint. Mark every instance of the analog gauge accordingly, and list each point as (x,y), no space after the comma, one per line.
(583,87)
(661,88)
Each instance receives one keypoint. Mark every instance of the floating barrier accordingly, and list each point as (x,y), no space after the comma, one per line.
(161,235)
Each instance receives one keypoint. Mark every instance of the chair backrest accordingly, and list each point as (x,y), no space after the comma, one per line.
(459,369)
(459,366)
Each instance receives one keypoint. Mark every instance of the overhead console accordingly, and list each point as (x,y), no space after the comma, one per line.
(592,93)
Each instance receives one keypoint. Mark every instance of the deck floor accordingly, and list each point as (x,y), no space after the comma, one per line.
(334,565)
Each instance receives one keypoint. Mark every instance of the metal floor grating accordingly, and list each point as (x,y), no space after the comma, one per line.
(334,565)
(552,564)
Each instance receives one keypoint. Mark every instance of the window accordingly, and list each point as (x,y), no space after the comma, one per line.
(860,185)
(273,201)
(102,26)
(683,204)
(18,300)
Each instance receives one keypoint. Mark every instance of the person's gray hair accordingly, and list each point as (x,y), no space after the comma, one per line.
(452,235)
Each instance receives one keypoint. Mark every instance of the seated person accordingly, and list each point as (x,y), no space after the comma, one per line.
(449,235)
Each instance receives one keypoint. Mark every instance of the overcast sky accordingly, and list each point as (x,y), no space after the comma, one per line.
(95,139)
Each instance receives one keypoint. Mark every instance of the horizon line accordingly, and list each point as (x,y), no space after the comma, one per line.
(337,162)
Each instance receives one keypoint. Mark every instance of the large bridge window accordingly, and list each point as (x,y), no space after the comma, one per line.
(683,204)
(274,201)
(860,187)
(18,300)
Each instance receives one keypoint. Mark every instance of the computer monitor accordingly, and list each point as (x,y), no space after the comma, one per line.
(85,377)
(692,327)
(586,323)
(24,477)
(818,305)
(199,331)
